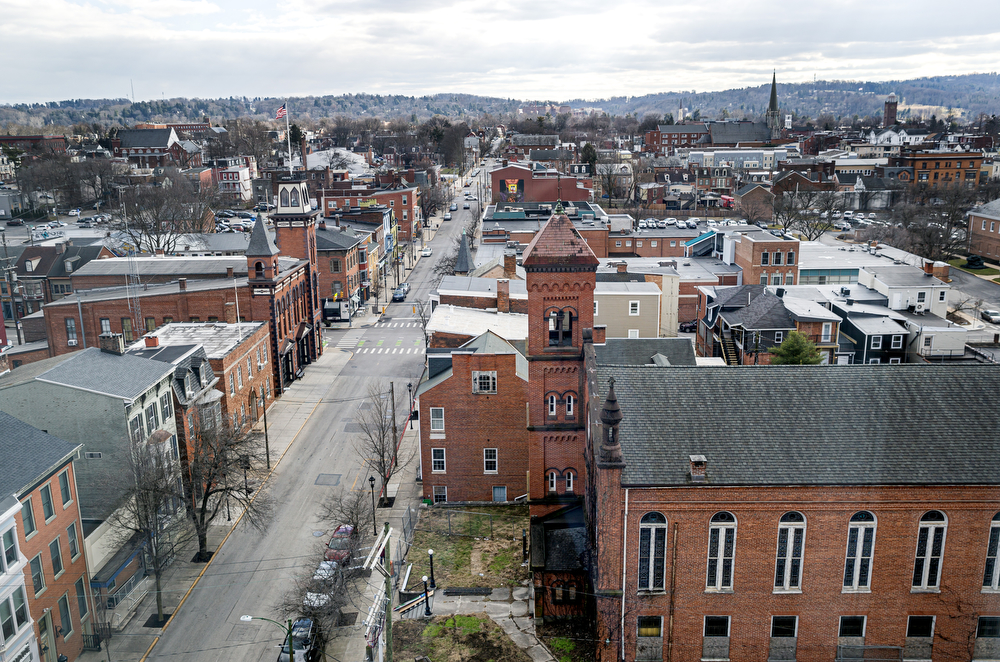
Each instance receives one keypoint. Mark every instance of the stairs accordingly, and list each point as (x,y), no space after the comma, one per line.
(729,352)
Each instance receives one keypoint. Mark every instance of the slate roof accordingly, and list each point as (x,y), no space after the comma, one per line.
(28,454)
(77,256)
(125,376)
(640,351)
(811,425)
(261,244)
(337,239)
(990,208)
(753,307)
(558,244)
(739,132)
(160,138)
(749,187)
(463,262)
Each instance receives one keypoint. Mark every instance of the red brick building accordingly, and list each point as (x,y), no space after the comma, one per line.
(807,538)
(668,138)
(984,231)
(516,183)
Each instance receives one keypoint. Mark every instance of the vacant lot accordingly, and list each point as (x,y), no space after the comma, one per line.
(472,638)
(481,549)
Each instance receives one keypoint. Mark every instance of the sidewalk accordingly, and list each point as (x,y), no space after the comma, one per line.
(285,417)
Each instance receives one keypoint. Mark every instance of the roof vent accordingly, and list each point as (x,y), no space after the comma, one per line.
(699,468)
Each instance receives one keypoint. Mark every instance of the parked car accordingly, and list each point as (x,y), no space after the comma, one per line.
(642,225)
(465,206)
(427,252)
(340,545)
(56,224)
(399,294)
(74,212)
(454,207)
(85,224)
(689,327)
(405,287)
(872,216)
(14,221)
(304,642)
(447,217)
(991,316)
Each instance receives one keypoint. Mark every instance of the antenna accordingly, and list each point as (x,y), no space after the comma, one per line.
(132,283)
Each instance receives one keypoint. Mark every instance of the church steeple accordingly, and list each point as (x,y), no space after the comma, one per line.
(773,114)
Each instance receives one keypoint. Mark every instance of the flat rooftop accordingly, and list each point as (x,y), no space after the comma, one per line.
(217,338)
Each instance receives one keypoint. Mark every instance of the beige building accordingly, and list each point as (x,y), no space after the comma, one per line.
(628,310)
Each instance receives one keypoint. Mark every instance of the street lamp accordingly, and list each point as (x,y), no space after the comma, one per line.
(409,387)
(427,599)
(371,481)
(246,618)
(430,553)
(263,399)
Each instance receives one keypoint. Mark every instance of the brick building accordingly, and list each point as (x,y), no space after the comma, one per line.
(807,540)
(984,231)
(342,265)
(516,183)
(668,138)
(154,148)
(934,168)
(38,470)
(766,259)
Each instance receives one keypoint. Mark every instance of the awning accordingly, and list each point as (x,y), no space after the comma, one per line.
(158,437)
(303,330)
(286,346)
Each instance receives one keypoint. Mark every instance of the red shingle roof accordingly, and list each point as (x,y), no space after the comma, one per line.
(558,244)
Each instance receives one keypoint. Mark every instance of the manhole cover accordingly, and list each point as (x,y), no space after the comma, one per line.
(328,479)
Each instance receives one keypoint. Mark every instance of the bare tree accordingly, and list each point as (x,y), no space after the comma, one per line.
(378,443)
(251,137)
(786,211)
(148,510)
(154,217)
(351,507)
(827,203)
(227,466)
(755,209)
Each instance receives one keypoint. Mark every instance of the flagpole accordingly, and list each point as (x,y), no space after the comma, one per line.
(288,134)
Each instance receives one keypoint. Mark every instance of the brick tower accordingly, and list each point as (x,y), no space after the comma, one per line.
(889,116)
(560,278)
(295,221)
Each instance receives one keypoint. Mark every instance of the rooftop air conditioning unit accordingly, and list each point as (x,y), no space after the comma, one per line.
(71,343)
(920,307)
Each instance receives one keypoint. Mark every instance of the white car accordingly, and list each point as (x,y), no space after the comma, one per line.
(427,252)
(74,212)
(713,224)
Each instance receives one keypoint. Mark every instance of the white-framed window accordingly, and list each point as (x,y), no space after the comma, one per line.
(500,493)
(652,552)
(791,542)
(779,336)
(55,555)
(673,243)
(239,376)
(763,279)
(489,460)
(633,308)
(28,518)
(784,626)
(618,244)
(249,369)
(721,550)
(876,342)
(921,297)
(595,309)
(633,333)
(569,406)
(790,278)
(64,492)
(553,477)
(232,384)
(716,626)
(930,549)
(652,243)
(437,461)
(874,361)
(437,419)
(777,258)
(897,342)
(852,626)
(552,405)
(9,550)
(37,574)
(440,494)
(638,243)
(827,331)
(484,381)
(764,258)
(48,511)
(73,540)
(569,481)
(991,575)
(65,620)
(920,626)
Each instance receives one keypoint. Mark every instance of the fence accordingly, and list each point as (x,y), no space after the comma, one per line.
(463,523)
(403,543)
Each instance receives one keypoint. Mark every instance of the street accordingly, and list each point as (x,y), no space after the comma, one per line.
(254,570)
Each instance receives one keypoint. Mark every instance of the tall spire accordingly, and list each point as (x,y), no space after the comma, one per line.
(773,114)
(772,107)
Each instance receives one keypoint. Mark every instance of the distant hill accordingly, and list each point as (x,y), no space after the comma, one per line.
(965,96)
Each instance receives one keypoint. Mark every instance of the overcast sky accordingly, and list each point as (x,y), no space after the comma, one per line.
(524,49)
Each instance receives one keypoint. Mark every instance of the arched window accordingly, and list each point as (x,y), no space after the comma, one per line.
(552,405)
(294,198)
(860,545)
(791,540)
(553,476)
(930,549)
(721,549)
(652,552)
(569,481)
(560,328)
(991,576)
(258,270)
(569,406)
(283,197)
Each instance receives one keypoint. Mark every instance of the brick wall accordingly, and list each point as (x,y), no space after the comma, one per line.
(827,511)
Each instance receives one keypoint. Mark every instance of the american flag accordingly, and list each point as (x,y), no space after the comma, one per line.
(281,112)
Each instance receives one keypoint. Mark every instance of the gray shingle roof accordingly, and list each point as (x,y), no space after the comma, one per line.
(261,244)
(856,425)
(463,262)
(125,377)
(147,137)
(640,351)
(28,454)
(733,132)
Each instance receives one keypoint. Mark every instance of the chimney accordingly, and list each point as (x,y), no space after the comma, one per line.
(305,165)
(112,343)
(600,334)
(622,267)
(928,267)
(61,247)
(780,292)
(230,313)
(229,272)
(699,467)
(182,283)
(152,341)
(503,295)
(159,252)
(509,265)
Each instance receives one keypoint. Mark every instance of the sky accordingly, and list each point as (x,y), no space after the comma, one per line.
(523,49)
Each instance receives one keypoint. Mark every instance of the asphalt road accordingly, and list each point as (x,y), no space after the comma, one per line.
(254,570)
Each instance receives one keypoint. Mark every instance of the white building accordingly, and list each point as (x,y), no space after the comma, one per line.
(17,634)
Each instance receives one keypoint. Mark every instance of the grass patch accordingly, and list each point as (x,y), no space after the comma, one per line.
(960,261)
(483,549)
(569,641)
(454,638)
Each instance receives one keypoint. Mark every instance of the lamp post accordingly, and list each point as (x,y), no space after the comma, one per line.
(263,399)
(371,481)
(427,599)
(246,618)
(409,387)
(430,553)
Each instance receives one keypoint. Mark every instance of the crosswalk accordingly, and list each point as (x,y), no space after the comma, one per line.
(397,325)
(350,339)
(390,350)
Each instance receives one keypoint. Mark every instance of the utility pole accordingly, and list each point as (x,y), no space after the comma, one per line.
(388,588)
(9,273)
(395,435)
